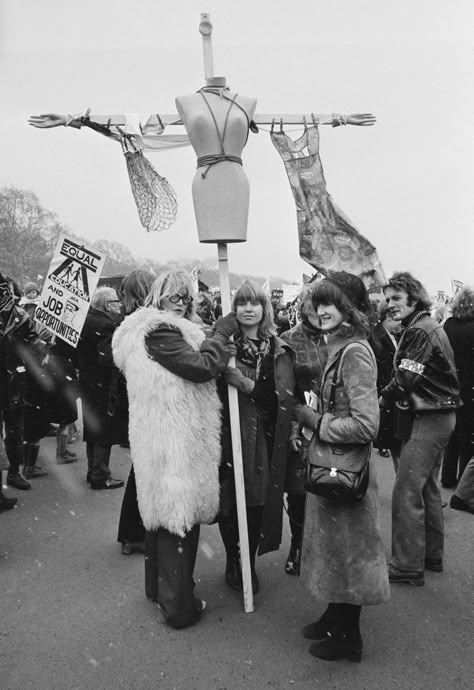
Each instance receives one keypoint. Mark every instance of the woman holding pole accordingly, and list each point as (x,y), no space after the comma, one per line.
(263,376)
(174,433)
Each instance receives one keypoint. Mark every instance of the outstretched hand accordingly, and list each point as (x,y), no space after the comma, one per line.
(361,119)
(47,120)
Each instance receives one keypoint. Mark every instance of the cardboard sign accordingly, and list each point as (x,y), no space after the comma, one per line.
(67,292)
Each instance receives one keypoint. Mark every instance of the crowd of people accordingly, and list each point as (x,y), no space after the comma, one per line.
(152,369)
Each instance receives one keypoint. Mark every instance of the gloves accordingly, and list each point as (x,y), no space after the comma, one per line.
(234,377)
(308,417)
(226,326)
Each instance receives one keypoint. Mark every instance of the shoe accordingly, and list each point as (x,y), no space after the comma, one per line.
(434,564)
(17,481)
(458,504)
(70,454)
(233,573)
(292,565)
(107,484)
(6,503)
(65,459)
(319,629)
(338,646)
(34,472)
(129,547)
(415,577)
(384,453)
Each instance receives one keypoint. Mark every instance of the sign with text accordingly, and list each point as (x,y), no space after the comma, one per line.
(67,292)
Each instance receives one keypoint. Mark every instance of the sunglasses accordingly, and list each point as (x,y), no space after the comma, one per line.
(185,299)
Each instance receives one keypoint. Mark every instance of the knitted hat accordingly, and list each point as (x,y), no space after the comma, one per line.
(31,286)
(352,287)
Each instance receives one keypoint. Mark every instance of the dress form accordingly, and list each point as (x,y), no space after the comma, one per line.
(221,190)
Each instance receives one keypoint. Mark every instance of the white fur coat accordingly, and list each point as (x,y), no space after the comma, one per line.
(174,428)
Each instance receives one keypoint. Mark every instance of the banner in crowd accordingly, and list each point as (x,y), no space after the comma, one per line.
(328,240)
(67,292)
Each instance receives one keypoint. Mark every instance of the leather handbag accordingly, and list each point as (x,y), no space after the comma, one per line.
(339,472)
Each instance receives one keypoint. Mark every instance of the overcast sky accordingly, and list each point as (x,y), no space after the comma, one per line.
(406,183)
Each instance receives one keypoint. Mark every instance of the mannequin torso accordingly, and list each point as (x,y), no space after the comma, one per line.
(218,126)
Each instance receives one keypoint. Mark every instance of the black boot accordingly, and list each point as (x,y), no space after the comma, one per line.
(320,628)
(344,640)
(31,455)
(296,505)
(230,537)
(292,565)
(5,503)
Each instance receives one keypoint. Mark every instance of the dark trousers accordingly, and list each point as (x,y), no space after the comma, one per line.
(130,524)
(169,570)
(460,448)
(98,458)
(13,421)
(229,529)
(296,505)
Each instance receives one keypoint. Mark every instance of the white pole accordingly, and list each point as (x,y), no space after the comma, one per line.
(236,443)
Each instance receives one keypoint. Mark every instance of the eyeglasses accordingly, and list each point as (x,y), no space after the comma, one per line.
(185,299)
(114,301)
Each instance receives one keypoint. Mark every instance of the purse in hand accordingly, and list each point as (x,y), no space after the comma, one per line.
(339,472)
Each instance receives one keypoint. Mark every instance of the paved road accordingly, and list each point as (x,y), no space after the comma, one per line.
(74,614)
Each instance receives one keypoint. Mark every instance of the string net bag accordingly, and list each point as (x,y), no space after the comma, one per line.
(154,196)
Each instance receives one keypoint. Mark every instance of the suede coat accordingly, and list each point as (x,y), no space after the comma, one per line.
(342,556)
(174,428)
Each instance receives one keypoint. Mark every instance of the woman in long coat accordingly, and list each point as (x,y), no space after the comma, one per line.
(264,378)
(343,559)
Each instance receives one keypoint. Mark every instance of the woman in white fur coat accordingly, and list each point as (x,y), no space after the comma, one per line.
(174,432)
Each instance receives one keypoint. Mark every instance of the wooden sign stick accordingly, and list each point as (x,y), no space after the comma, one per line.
(205,27)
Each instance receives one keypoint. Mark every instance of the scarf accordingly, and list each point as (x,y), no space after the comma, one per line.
(252,352)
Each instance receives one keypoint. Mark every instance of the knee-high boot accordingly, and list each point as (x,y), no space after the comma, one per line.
(254,523)
(229,529)
(296,505)
(343,639)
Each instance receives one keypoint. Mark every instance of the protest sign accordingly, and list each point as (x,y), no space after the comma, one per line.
(71,281)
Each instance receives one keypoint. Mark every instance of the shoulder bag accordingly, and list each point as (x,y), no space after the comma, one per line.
(339,472)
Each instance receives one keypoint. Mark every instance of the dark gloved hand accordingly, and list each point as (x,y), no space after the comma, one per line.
(225,327)
(307,417)
(234,377)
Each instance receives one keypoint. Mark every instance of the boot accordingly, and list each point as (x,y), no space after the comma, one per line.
(344,640)
(230,537)
(5,503)
(63,455)
(31,455)
(320,628)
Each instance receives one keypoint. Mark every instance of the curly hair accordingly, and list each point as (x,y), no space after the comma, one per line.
(134,289)
(463,304)
(417,293)
(355,322)
(250,292)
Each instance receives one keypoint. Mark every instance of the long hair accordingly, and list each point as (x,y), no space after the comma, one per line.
(417,293)
(355,322)
(463,304)
(170,283)
(134,289)
(250,292)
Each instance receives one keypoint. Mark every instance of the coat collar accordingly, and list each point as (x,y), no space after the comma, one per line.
(336,342)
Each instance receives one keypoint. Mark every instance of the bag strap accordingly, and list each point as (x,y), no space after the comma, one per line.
(337,370)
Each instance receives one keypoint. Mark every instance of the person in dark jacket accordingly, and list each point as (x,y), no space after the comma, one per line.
(133,292)
(310,356)
(264,378)
(103,426)
(384,343)
(21,377)
(460,331)
(425,385)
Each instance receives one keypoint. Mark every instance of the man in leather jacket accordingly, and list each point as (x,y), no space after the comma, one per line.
(425,386)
